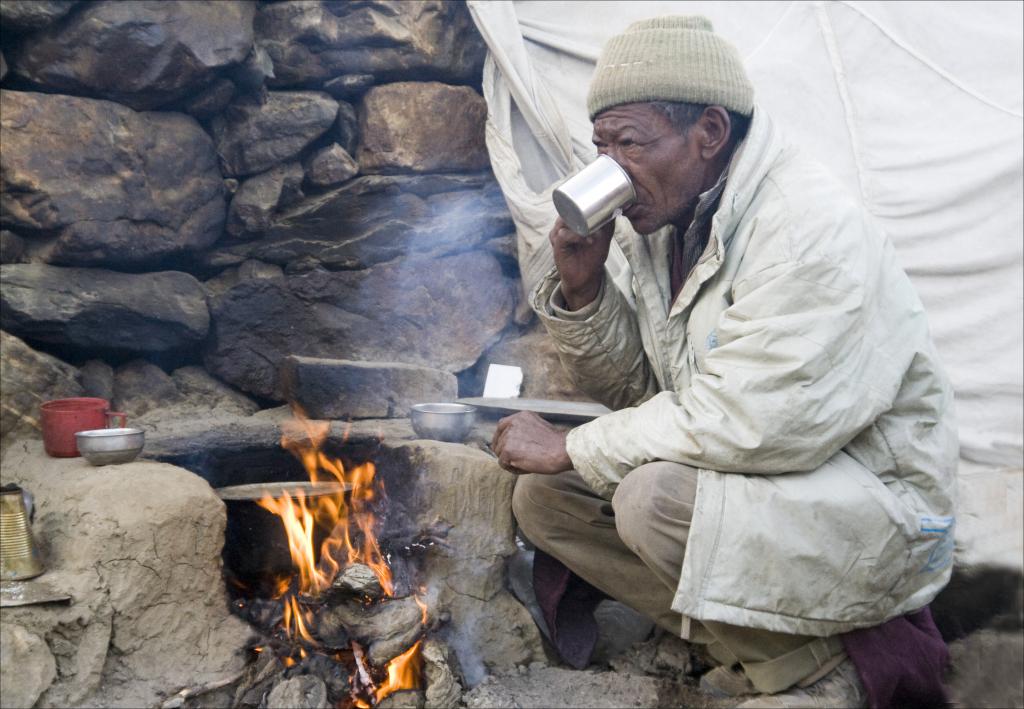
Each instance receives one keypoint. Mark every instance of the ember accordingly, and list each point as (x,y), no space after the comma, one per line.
(349,517)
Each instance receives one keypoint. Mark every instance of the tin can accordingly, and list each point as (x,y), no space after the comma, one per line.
(19,556)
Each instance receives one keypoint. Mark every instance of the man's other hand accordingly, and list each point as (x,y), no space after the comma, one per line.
(580,261)
(526,443)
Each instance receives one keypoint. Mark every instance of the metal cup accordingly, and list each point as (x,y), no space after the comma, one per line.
(594,196)
(19,556)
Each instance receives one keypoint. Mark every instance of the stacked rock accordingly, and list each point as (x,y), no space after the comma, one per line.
(224,184)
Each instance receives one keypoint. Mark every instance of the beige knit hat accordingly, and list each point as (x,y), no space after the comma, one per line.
(673,58)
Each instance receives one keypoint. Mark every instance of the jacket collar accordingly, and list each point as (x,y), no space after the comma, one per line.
(754,157)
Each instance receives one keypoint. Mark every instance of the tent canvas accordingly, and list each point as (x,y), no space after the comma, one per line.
(917,107)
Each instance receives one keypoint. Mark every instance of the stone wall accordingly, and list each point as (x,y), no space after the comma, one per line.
(208,209)
(219,185)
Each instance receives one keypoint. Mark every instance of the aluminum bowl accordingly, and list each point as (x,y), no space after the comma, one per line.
(110,446)
(443,422)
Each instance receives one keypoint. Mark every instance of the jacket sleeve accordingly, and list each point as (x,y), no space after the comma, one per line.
(599,345)
(793,379)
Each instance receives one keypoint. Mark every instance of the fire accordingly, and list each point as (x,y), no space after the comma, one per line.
(348,519)
(403,672)
(293,623)
(301,516)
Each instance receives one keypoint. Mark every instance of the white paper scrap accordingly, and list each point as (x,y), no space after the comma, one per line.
(503,381)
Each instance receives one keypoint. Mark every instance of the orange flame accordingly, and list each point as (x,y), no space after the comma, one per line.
(293,623)
(403,673)
(302,516)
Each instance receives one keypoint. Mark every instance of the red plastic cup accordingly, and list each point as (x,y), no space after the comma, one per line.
(62,418)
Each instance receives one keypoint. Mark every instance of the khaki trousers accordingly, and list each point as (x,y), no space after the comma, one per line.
(632,547)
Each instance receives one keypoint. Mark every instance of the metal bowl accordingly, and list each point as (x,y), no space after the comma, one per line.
(110,446)
(443,422)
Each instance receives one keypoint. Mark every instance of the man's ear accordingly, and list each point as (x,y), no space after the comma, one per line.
(714,131)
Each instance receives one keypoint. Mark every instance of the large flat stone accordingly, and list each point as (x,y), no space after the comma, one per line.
(172,47)
(138,548)
(27,379)
(96,309)
(354,195)
(355,226)
(312,42)
(212,445)
(100,184)
(414,126)
(334,389)
(440,313)
(254,136)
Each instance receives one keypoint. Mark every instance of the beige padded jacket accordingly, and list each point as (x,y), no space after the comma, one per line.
(796,371)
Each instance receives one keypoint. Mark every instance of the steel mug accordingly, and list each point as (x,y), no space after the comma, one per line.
(594,196)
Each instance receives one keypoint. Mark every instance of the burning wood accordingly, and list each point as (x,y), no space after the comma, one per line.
(305,620)
(358,580)
(386,629)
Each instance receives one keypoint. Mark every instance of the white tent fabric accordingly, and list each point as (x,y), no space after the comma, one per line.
(917,107)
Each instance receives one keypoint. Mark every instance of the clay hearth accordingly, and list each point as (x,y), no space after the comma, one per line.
(437,492)
(448,527)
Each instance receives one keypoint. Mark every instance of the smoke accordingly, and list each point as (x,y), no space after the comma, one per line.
(464,642)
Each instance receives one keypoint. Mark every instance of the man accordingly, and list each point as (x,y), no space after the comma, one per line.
(779,467)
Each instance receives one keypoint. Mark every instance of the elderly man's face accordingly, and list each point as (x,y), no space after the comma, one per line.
(666,168)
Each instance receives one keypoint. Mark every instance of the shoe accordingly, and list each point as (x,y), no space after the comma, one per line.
(724,682)
(841,688)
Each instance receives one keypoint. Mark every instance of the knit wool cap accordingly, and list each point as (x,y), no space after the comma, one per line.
(673,58)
